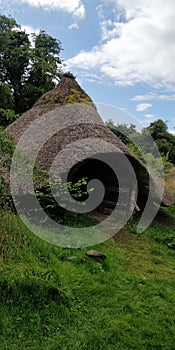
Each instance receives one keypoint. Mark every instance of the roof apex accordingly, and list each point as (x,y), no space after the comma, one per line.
(69,75)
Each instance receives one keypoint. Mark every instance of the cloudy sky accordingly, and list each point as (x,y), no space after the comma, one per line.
(122,51)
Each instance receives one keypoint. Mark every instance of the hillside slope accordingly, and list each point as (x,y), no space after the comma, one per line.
(53,298)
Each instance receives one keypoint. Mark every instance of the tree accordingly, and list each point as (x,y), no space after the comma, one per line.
(164,140)
(7,116)
(158,129)
(124,131)
(15,55)
(144,146)
(128,134)
(45,70)
(6,97)
(27,70)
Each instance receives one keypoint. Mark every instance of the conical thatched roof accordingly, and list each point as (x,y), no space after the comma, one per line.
(77,122)
(67,91)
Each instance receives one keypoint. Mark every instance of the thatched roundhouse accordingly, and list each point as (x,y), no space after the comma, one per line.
(74,123)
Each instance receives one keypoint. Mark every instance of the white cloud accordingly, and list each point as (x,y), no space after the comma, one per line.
(74,7)
(141,49)
(172,132)
(143,107)
(153,96)
(110,29)
(150,116)
(30,30)
(73,26)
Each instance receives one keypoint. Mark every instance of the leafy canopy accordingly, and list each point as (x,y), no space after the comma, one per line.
(28,68)
(144,146)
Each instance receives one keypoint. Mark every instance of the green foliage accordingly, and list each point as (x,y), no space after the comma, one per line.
(164,140)
(6,151)
(6,202)
(7,116)
(137,151)
(157,129)
(143,143)
(64,194)
(123,131)
(6,97)
(26,70)
(46,65)
(7,147)
(170,210)
(48,293)
(128,134)
(157,165)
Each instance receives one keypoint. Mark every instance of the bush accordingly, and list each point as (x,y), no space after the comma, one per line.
(7,116)
(157,165)
(49,203)
(6,151)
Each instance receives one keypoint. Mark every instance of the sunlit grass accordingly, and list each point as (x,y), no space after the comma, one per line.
(57,298)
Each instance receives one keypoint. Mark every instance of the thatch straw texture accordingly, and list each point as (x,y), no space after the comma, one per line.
(69,107)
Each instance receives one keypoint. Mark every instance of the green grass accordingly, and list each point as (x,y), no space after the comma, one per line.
(59,299)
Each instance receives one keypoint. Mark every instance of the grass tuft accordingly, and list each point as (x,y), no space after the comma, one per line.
(57,298)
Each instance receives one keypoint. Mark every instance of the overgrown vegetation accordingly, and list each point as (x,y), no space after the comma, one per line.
(77,97)
(159,155)
(57,199)
(6,151)
(55,298)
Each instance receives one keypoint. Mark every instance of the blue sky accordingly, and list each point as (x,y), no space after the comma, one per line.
(122,51)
